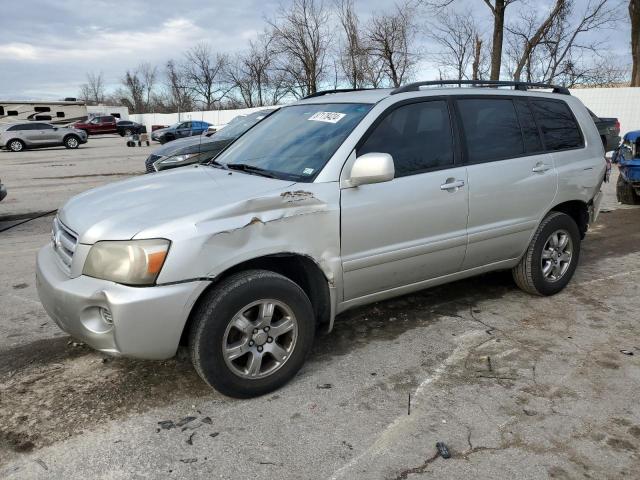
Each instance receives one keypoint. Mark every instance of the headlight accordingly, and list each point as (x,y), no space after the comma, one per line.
(134,262)
(184,159)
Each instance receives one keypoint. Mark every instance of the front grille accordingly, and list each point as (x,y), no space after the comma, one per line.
(149,163)
(64,243)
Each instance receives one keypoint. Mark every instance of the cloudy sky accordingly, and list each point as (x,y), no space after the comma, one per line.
(48,46)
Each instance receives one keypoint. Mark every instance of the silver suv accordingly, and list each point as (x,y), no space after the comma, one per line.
(19,136)
(336,201)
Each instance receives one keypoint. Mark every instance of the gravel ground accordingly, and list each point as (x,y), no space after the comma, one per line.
(516,386)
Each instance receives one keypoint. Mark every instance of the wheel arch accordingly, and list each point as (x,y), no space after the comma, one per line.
(64,139)
(298,268)
(576,209)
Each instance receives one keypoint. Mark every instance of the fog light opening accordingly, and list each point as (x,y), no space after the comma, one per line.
(106,316)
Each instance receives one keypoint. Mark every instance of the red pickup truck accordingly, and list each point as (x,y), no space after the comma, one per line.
(106,124)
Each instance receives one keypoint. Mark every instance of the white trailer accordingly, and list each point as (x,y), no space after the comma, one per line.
(60,113)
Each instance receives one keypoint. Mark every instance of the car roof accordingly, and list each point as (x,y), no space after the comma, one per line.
(465,87)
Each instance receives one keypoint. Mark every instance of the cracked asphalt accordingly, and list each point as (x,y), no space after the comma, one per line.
(516,386)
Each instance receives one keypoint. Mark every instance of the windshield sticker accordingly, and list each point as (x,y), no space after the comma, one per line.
(307,171)
(327,117)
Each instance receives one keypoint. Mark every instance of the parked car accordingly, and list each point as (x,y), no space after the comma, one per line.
(627,156)
(609,129)
(98,125)
(126,128)
(339,200)
(201,149)
(179,130)
(3,191)
(20,136)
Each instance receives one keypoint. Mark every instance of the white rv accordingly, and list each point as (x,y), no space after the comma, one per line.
(60,113)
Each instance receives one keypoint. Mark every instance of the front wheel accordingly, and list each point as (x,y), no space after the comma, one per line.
(551,258)
(16,145)
(71,142)
(252,333)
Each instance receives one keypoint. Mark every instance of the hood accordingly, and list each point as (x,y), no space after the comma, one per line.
(120,210)
(193,144)
(160,131)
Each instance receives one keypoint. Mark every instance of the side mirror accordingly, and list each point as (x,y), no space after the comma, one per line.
(372,168)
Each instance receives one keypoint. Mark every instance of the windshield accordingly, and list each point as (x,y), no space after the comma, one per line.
(239,125)
(296,142)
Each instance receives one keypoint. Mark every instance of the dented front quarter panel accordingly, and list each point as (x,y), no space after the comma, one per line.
(301,219)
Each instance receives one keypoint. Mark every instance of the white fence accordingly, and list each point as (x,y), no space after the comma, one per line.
(622,103)
(218,118)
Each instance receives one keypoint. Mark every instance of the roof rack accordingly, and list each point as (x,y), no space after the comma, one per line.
(338,90)
(523,86)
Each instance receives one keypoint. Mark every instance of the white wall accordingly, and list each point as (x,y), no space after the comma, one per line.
(218,118)
(622,103)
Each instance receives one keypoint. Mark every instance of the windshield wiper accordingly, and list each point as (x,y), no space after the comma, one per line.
(245,167)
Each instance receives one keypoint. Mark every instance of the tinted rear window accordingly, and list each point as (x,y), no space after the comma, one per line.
(559,128)
(491,129)
(532,142)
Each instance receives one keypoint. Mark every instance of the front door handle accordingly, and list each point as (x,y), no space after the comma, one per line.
(452,184)
(541,168)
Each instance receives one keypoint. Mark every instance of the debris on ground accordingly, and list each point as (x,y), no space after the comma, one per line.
(167,424)
(443,450)
(207,420)
(214,434)
(626,352)
(184,421)
(188,460)
(190,439)
(324,386)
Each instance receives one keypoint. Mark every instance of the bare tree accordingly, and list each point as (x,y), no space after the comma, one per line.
(498,9)
(634,15)
(204,73)
(458,39)
(564,55)
(132,91)
(390,39)
(148,75)
(251,73)
(353,56)
(529,33)
(480,66)
(178,96)
(93,91)
(300,41)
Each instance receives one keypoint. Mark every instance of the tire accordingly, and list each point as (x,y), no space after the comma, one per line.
(214,327)
(16,145)
(625,193)
(128,132)
(71,142)
(531,275)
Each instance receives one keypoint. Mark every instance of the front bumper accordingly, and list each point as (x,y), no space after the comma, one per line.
(147,321)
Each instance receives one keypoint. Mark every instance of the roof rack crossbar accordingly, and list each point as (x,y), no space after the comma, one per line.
(337,90)
(522,86)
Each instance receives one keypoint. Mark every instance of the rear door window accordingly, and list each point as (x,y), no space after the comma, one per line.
(560,131)
(418,136)
(491,129)
(530,133)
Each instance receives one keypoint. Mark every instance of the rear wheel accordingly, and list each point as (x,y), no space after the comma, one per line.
(128,132)
(252,333)
(552,256)
(71,141)
(625,193)
(16,145)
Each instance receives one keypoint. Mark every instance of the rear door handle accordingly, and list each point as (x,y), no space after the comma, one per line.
(541,168)
(452,184)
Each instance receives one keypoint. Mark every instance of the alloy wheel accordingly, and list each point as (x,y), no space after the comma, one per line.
(260,338)
(557,254)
